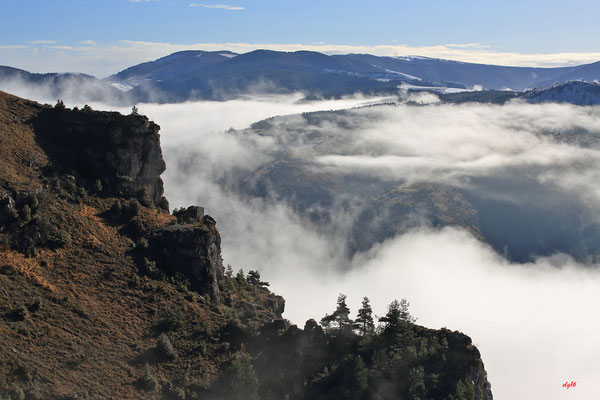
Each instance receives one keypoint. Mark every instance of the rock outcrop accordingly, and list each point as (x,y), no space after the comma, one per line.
(121,151)
(192,250)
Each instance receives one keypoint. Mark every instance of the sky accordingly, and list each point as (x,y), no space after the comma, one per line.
(103,37)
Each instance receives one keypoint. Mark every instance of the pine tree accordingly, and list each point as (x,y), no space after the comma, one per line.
(341,316)
(404,313)
(244,383)
(397,316)
(364,319)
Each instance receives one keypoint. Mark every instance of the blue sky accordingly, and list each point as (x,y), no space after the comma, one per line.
(35,30)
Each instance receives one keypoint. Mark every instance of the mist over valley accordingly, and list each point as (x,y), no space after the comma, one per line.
(299,201)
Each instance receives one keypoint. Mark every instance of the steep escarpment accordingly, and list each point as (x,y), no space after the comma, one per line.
(121,152)
(105,294)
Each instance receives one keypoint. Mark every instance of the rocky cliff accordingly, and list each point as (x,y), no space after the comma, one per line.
(122,152)
(190,249)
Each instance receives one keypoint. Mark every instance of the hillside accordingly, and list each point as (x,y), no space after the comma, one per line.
(71,87)
(105,294)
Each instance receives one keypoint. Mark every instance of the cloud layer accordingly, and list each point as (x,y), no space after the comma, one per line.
(536,324)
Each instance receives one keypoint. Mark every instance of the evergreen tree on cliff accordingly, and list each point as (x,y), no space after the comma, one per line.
(364,319)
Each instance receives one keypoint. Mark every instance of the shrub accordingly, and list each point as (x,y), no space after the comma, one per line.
(172,321)
(58,238)
(164,348)
(20,313)
(147,381)
(163,204)
(32,201)
(97,186)
(144,198)
(172,392)
(116,209)
(35,305)
(131,209)
(150,269)
(136,227)
(142,244)
(26,213)
(30,252)
(69,184)
(12,214)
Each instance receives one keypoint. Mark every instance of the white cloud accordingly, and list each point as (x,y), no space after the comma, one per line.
(103,59)
(536,324)
(221,6)
(42,42)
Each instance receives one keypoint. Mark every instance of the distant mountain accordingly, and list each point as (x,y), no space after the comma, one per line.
(466,74)
(181,64)
(72,87)
(270,72)
(222,75)
(575,92)
(587,72)
(581,93)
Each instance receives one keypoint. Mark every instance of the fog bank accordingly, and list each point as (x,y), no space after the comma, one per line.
(536,324)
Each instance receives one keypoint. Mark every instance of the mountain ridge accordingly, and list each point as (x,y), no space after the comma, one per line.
(222,75)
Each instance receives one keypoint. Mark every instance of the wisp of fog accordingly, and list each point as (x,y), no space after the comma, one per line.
(536,323)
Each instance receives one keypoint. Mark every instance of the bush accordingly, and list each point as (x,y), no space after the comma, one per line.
(26,213)
(172,321)
(142,244)
(20,313)
(35,305)
(136,227)
(172,392)
(32,201)
(150,269)
(58,238)
(97,186)
(147,381)
(164,348)
(116,209)
(144,198)
(131,209)
(163,204)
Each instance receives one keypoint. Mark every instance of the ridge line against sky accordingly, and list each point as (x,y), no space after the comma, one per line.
(104,59)
(103,37)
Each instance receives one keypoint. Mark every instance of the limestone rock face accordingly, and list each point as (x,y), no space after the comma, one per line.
(139,157)
(275,304)
(121,151)
(194,251)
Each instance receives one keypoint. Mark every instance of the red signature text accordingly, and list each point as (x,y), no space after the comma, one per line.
(569,385)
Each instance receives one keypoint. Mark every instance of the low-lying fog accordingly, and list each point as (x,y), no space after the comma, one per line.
(536,324)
